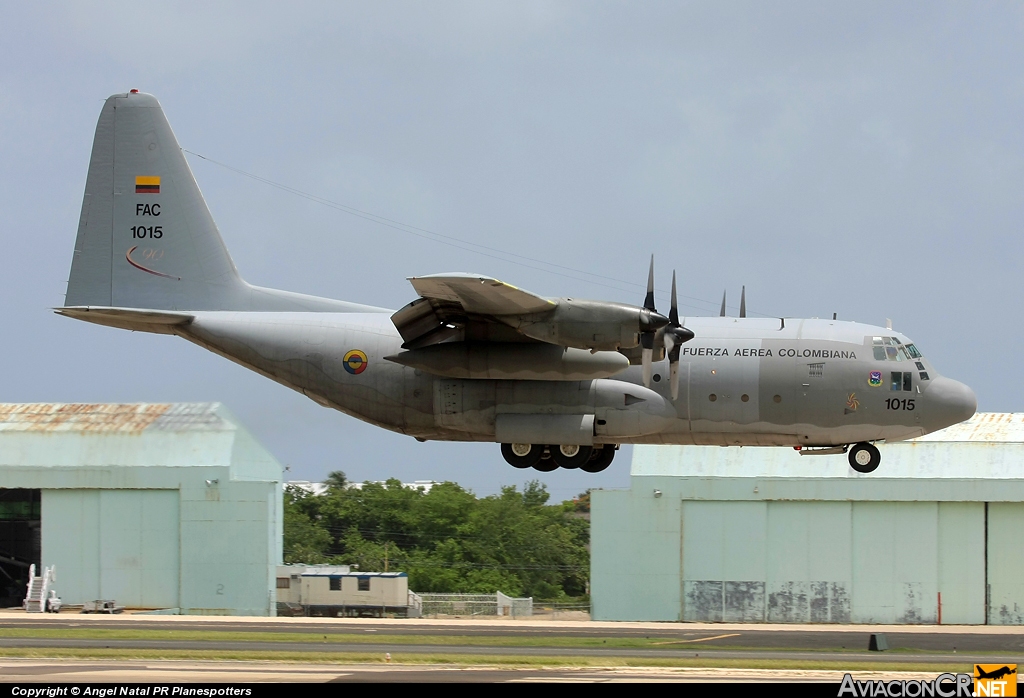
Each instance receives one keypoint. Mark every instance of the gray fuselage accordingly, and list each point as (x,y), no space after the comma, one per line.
(742,381)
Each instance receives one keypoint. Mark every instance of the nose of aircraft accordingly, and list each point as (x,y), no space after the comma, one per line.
(951,402)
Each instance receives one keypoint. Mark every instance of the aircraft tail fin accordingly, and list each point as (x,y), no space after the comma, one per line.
(146,238)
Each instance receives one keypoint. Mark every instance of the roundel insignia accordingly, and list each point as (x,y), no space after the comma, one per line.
(355,362)
(875,379)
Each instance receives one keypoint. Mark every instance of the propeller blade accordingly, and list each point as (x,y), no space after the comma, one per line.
(673,313)
(743,302)
(722,313)
(649,300)
(647,342)
(673,377)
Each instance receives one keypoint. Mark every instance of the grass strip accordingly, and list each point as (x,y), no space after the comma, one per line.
(478,660)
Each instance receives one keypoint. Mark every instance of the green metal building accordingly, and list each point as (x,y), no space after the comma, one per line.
(765,535)
(155,506)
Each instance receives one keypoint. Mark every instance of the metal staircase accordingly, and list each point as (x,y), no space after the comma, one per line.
(38,589)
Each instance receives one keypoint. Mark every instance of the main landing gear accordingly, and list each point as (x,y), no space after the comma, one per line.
(864,457)
(589,459)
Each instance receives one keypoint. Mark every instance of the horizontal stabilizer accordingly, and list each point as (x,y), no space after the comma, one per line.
(157,321)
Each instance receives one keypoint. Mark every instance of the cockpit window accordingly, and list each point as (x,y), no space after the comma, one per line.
(891,349)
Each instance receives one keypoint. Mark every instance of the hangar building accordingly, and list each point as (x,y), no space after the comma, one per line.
(154,506)
(764,535)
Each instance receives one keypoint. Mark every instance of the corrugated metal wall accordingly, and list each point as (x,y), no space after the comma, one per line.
(833,562)
(805,561)
(113,544)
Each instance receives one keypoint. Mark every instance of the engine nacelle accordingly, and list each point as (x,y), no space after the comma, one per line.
(588,324)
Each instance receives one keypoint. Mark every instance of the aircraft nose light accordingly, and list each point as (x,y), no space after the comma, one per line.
(955,401)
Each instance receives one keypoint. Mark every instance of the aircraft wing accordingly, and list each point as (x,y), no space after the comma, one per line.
(479,295)
(466,305)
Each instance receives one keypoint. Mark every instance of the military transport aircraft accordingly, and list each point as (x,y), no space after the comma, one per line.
(557,382)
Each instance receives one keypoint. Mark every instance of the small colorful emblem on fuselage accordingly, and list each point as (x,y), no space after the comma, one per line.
(875,379)
(355,362)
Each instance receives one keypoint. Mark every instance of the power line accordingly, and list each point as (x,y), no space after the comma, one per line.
(458,243)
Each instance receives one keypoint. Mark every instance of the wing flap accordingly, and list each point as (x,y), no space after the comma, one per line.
(480,295)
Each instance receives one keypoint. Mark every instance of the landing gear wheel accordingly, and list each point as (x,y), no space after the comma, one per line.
(864,457)
(522,455)
(570,456)
(546,464)
(600,459)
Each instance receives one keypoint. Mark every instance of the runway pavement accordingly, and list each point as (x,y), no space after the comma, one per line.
(1006,640)
(955,646)
(25,671)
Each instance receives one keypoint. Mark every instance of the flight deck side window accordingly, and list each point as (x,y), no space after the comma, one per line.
(902,380)
(912,350)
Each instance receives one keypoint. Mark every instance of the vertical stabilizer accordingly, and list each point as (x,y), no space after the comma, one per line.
(146,238)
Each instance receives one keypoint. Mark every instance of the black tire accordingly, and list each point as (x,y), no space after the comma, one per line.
(570,456)
(522,461)
(600,459)
(864,458)
(546,464)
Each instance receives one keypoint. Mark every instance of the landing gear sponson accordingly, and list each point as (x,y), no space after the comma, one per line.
(589,459)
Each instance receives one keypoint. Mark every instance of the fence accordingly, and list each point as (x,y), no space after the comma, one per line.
(496,604)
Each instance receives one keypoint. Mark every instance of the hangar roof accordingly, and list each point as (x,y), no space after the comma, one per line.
(110,436)
(1004,427)
(989,446)
(100,418)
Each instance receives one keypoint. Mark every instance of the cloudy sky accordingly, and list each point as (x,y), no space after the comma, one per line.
(858,158)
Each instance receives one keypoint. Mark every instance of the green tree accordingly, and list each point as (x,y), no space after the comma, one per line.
(447,539)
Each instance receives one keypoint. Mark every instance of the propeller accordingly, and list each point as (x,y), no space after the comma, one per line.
(675,336)
(650,322)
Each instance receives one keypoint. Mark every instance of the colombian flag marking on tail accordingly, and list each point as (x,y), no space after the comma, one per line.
(147,185)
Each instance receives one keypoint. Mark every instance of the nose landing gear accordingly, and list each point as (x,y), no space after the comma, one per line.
(590,459)
(864,457)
